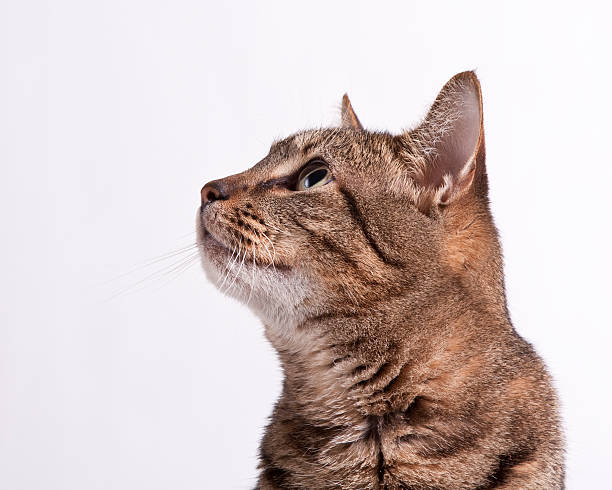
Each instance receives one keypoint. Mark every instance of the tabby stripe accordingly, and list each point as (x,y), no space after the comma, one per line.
(357,216)
(329,244)
(329,315)
(307,148)
(381,371)
(392,381)
(505,466)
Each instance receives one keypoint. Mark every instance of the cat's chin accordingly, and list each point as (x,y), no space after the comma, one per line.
(272,293)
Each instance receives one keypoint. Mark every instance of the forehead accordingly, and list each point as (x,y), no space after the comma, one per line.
(303,142)
(337,144)
(295,150)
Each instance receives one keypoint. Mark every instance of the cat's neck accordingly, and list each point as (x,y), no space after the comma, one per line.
(345,380)
(349,395)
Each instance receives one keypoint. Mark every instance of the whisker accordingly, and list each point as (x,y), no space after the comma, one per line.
(237,273)
(274,228)
(157,275)
(155,260)
(230,263)
(252,275)
(273,248)
(191,233)
(267,250)
(180,269)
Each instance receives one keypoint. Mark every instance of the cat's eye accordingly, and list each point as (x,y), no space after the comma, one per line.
(315,174)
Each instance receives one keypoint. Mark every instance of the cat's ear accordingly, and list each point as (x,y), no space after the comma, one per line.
(452,139)
(349,118)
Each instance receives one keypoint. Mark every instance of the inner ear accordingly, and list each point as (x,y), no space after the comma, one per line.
(451,134)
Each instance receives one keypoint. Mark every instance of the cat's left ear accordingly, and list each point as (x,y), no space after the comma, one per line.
(452,138)
(349,118)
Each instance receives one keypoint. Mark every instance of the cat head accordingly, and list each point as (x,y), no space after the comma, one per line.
(343,218)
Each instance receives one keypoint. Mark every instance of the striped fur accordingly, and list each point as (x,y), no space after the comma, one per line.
(383,294)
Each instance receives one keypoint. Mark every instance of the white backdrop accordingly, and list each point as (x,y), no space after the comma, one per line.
(113,115)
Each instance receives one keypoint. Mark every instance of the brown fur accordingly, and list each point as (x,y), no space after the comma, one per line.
(383,294)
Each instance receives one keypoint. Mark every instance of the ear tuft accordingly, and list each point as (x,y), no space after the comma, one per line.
(349,118)
(450,140)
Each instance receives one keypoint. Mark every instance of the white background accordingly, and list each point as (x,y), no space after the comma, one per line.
(113,115)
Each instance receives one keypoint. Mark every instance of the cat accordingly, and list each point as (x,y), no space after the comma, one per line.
(374,263)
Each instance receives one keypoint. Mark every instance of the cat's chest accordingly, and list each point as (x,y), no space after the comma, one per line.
(315,456)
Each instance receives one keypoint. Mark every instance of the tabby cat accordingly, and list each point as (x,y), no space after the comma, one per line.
(373,261)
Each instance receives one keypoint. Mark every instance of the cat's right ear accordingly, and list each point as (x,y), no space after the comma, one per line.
(349,118)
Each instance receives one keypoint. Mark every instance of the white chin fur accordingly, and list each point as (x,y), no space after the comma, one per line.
(276,297)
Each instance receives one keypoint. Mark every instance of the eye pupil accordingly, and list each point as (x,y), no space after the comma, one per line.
(314,177)
(314,174)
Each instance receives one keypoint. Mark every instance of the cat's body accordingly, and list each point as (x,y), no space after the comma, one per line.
(386,305)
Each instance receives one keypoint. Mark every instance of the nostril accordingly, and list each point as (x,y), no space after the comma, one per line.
(212,192)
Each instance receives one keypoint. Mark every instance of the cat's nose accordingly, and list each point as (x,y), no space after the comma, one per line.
(214,191)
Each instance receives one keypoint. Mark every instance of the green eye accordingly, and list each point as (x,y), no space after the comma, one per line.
(314,175)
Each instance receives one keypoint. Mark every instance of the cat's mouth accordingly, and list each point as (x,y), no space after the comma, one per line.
(223,263)
(207,241)
(273,290)
(226,266)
